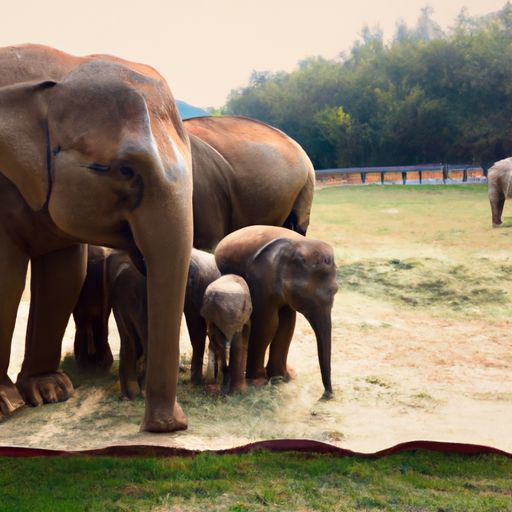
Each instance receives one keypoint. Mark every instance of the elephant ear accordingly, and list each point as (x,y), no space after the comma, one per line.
(271,249)
(25,150)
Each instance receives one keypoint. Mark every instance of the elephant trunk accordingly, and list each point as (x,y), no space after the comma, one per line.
(321,323)
(162,230)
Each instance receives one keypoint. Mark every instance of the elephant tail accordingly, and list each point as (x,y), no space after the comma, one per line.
(298,219)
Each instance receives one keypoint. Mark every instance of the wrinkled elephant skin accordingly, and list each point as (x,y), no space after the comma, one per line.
(92,150)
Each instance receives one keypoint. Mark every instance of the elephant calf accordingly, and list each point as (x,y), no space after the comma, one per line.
(285,272)
(123,290)
(499,185)
(227,310)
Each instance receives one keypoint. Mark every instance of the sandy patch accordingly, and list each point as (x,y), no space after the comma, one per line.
(397,375)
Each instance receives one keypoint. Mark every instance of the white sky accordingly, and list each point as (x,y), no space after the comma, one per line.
(205,48)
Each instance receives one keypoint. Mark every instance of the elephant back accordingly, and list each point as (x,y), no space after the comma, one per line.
(235,252)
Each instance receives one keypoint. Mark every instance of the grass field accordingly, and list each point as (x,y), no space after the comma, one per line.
(414,482)
(421,350)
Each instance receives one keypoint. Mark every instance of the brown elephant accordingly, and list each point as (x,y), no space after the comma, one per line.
(91,150)
(123,291)
(499,186)
(227,309)
(244,172)
(286,272)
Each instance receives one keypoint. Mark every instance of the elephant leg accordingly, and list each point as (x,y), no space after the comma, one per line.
(238,360)
(279,346)
(91,318)
(102,352)
(497,205)
(57,279)
(196,326)
(128,357)
(263,327)
(13,270)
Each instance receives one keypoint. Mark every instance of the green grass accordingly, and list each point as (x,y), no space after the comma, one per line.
(265,481)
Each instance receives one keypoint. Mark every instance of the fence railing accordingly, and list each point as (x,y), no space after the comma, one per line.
(403,174)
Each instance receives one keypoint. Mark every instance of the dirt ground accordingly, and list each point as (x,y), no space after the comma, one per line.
(422,342)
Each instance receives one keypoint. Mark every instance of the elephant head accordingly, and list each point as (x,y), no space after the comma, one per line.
(302,274)
(227,310)
(104,153)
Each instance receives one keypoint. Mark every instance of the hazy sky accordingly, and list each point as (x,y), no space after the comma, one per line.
(205,48)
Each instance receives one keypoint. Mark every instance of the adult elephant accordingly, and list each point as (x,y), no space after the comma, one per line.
(245,172)
(499,185)
(91,150)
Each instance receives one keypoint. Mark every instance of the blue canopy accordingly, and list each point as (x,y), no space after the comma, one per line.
(187,111)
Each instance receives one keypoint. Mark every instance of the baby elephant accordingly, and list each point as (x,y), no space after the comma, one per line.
(129,303)
(286,272)
(227,310)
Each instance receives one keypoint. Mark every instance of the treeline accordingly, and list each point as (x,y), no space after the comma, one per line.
(427,96)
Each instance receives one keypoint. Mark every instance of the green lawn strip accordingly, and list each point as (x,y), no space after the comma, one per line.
(260,481)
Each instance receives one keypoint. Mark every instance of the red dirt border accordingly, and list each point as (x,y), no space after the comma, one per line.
(277,445)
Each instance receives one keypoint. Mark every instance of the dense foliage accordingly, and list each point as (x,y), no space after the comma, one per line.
(427,96)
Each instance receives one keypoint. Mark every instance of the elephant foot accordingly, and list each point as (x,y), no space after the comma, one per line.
(238,388)
(258,382)
(47,388)
(130,389)
(161,421)
(287,374)
(100,362)
(10,398)
(328,395)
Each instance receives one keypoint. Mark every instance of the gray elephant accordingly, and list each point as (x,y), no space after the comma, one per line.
(227,309)
(499,186)
(286,272)
(92,150)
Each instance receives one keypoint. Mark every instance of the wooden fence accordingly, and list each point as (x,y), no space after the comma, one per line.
(403,174)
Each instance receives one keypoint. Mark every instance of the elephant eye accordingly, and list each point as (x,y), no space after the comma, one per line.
(97,167)
(127,171)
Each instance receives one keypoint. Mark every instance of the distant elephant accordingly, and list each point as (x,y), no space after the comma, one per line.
(499,185)
(91,150)
(286,272)
(227,309)
(244,172)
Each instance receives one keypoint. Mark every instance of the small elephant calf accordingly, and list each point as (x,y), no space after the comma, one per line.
(227,310)
(286,273)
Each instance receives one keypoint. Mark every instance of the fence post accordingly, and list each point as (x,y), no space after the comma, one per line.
(404,177)
(465,174)
(445,173)
(420,174)
(363,177)
(382,177)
